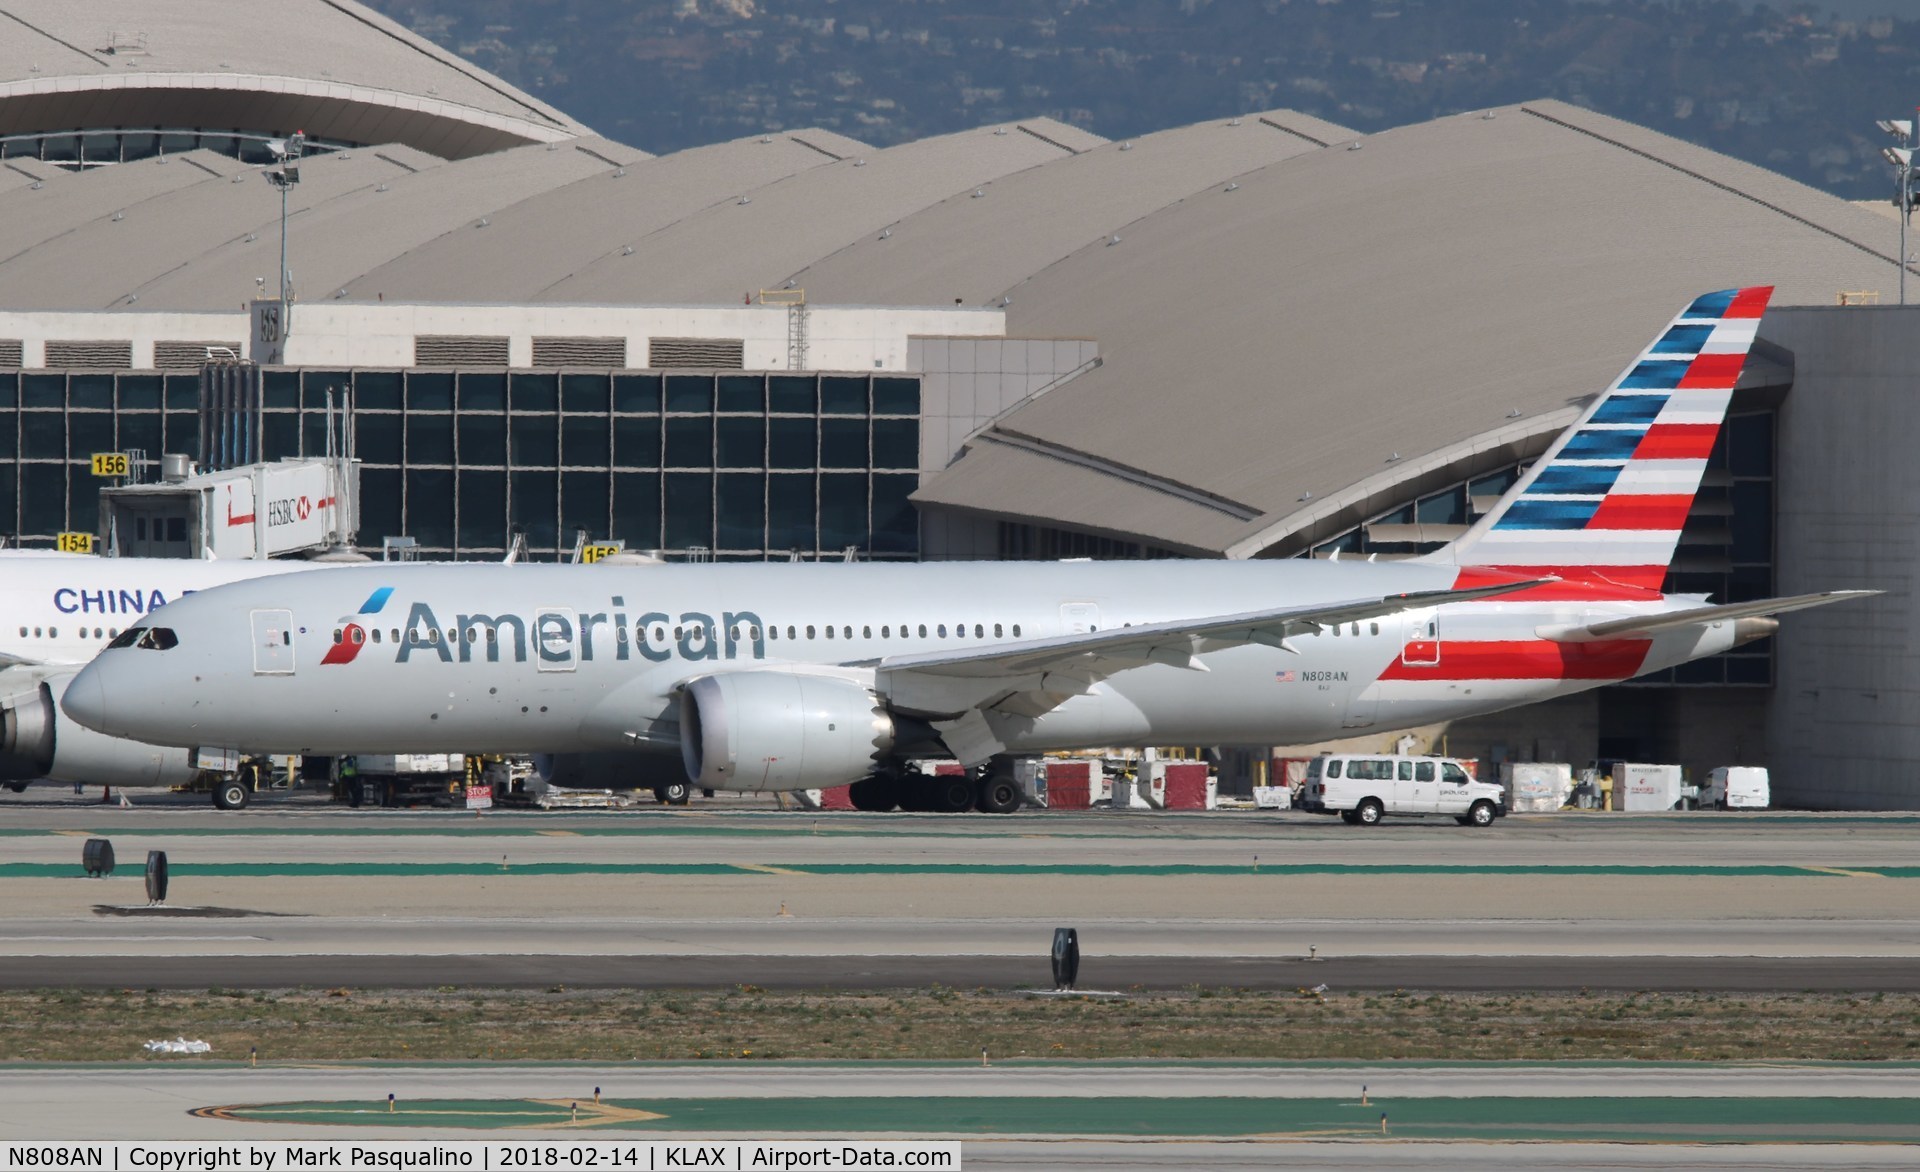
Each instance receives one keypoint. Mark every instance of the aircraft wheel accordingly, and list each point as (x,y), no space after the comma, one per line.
(1481,814)
(951,795)
(231,794)
(875,795)
(673,793)
(18,787)
(997,794)
(1368,813)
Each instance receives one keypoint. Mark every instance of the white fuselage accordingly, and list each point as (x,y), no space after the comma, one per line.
(557,659)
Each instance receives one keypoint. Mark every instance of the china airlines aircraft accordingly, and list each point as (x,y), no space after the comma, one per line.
(61,609)
(786,676)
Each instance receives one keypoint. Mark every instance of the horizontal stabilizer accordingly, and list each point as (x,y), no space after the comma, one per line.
(1652,624)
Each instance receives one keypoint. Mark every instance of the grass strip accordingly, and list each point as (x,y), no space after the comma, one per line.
(747,1024)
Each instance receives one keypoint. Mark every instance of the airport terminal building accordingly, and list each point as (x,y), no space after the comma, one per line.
(1235,339)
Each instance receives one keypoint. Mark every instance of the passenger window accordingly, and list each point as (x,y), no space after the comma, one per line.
(1453,773)
(886,632)
(359,636)
(809,632)
(1374,628)
(53,632)
(790,633)
(1333,767)
(923,630)
(1016,630)
(1423,771)
(847,632)
(996,631)
(376,634)
(337,636)
(733,632)
(866,632)
(829,632)
(1406,771)
(943,630)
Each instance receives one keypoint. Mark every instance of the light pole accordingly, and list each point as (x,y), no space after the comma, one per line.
(288,152)
(1902,158)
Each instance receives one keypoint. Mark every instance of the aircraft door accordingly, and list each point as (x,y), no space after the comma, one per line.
(273,642)
(1079,618)
(1422,639)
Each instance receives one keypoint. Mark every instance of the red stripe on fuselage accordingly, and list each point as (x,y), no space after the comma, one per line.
(1650,511)
(1528,659)
(1677,441)
(1577,584)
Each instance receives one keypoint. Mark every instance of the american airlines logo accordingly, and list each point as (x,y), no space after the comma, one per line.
(551,637)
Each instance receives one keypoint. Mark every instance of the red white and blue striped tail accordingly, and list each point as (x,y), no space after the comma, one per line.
(1606,504)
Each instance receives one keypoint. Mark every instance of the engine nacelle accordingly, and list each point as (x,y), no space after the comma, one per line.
(777,730)
(37,740)
(609,770)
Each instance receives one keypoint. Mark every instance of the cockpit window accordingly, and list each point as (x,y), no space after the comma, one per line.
(159,639)
(126,637)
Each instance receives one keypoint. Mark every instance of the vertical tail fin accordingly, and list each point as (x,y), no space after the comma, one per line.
(1608,500)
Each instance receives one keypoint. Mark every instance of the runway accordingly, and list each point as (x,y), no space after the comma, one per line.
(299,892)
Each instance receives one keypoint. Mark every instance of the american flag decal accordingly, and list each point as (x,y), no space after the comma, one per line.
(1283,677)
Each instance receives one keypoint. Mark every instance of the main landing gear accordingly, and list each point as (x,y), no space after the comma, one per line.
(990,791)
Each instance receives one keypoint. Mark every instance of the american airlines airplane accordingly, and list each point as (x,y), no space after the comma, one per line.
(790,676)
(61,609)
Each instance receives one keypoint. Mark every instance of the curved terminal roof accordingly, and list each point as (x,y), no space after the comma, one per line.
(333,242)
(105,259)
(333,68)
(975,250)
(538,242)
(1291,355)
(756,240)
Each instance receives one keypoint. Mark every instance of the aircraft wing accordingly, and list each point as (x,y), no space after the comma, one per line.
(1032,677)
(1652,624)
(8,660)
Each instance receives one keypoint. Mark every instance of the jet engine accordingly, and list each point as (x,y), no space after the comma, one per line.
(777,730)
(37,740)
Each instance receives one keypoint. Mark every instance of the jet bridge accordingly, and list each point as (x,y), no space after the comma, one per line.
(289,507)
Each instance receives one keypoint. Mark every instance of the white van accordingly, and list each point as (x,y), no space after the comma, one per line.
(1364,788)
(1737,787)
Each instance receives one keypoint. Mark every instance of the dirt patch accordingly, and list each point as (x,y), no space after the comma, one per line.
(943,1024)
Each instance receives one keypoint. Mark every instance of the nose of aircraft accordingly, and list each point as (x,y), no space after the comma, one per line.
(86,700)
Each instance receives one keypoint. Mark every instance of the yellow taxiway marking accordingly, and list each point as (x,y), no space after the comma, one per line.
(594,1114)
(75,833)
(764,869)
(559,833)
(1844,871)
